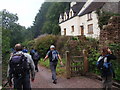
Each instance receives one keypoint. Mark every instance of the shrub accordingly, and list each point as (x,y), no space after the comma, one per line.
(42,44)
(61,44)
(115,47)
(75,46)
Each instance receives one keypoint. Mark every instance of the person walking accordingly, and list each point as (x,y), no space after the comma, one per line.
(32,51)
(20,67)
(105,67)
(53,56)
(36,58)
(25,50)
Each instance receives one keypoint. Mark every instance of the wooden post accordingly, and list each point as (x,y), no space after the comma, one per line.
(85,61)
(68,73)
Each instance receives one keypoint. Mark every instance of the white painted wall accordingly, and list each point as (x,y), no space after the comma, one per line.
(67,24)
(81,21)
(96,30)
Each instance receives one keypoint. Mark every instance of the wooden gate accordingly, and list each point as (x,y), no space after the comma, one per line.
(76,65)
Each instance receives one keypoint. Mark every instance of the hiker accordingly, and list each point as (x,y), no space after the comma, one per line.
(20,67)
(36,58)
(12,51)
(32,52)
(105,67)
(25,50)
(53,56)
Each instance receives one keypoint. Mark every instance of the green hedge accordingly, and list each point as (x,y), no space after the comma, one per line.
(75,46)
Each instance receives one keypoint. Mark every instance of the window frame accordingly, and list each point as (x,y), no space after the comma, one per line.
(89,16)
(64,31)
(73,28)
(90,31)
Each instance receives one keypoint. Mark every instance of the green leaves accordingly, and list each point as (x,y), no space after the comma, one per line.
(8,19)
(47,19)
(104,17)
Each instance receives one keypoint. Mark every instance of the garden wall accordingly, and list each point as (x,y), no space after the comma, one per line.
(111,35)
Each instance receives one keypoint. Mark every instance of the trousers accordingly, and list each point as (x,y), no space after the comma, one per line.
(22,83)
(107,82)
(53,66)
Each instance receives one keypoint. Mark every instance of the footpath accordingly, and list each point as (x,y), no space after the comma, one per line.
(43,80)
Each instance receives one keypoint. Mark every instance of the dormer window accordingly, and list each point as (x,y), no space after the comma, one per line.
(65,16)
(71,13)
(60,19)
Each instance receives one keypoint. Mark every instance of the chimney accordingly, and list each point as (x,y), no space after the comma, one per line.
(72,4)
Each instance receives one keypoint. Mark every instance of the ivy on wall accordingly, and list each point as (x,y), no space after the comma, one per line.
(103,17)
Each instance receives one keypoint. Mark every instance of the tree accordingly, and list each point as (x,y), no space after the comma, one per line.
(16,31)
(53,16)
(8,19)
(46,20)
(40,19)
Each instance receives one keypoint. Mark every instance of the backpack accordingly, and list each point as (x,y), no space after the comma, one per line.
(32,52)
(54,55)
(36,56)
(104,67)
(18,65)
(100,63)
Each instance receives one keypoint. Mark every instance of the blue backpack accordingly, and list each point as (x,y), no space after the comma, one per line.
(104,67)
(100,64)
(53,55)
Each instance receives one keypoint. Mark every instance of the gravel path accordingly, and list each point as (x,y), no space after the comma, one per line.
(43,80)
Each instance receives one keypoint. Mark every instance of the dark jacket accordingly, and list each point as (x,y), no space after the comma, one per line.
(108,69)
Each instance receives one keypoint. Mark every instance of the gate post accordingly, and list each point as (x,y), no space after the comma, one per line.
(68,73)
(85,61)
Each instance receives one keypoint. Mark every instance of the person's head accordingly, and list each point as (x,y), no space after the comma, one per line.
(32,48)
(18,47)
(52,47)
(24,47)
(105,51)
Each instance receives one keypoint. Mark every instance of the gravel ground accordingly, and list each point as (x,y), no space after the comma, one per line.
(43,80)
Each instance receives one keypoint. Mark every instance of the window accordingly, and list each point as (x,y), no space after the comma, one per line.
(82,30)
(90,29)
(71,13)
(64,31)
(65,17)
(89,16)
(72,28)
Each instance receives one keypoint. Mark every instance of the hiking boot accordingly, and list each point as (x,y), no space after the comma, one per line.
(55,81)
(37,70)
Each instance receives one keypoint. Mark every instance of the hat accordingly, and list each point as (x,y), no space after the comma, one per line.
(52,46)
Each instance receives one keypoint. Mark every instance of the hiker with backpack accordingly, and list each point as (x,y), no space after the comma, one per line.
(36,58)
(25,50)
(105,67)
(20,69)
(32,51)
(53,56)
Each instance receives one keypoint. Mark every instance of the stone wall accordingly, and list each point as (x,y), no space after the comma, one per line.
(111,33)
